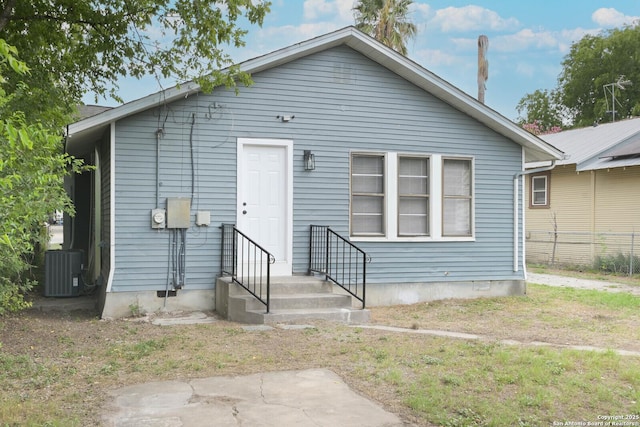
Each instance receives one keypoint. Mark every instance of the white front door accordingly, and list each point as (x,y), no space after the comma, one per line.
(265,197)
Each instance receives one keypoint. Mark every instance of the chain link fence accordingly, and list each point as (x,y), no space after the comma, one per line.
(610,252)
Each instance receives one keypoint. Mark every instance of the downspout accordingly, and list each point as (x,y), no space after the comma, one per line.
(516,196)
(112,206)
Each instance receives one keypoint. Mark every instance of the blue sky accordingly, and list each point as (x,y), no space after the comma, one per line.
(527,40)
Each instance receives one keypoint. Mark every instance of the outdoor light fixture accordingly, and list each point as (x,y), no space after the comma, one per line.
(285,118)
(309,160)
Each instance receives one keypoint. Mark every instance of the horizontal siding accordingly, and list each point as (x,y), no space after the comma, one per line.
(617,206)
(570,202)
(364,108)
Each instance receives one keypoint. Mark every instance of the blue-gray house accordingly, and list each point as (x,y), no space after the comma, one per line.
(337,131)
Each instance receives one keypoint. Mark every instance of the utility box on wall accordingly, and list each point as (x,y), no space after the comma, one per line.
(62,273)
(178,212)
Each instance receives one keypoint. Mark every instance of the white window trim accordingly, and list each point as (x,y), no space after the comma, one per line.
(546,191)
(473,198)
(429,160)
(435,195)
(385,208)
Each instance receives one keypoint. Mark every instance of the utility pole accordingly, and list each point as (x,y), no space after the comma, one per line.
(483,66)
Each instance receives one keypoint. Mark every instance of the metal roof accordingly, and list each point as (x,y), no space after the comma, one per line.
(599,147)
(535,148)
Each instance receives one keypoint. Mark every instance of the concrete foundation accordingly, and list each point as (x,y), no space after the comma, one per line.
(126,304)
(411,293)
(123,304)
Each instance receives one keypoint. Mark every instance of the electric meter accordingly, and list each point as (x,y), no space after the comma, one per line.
(158,218)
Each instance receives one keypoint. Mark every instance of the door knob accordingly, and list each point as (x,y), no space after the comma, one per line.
(244,212)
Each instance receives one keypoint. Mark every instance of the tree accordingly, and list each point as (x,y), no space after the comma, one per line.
(31,167)
(68,48)
(81,46)
(539,112)
(608,59)
(596,61)
(387,21)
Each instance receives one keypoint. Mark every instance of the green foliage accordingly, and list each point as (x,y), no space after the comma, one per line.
(105,40)
(617,264)
(597,60)
(32,165)
(592,62)
(387,21)
(540,107)
(12,295)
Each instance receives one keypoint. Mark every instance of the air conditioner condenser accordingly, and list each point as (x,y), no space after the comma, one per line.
(63,271)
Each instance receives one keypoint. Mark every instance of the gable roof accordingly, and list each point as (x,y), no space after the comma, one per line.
(603,146)
(535,148)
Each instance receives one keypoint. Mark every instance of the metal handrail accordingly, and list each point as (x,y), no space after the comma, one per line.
(248,263)
(339,260)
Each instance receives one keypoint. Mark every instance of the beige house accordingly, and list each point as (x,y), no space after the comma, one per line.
(587,208)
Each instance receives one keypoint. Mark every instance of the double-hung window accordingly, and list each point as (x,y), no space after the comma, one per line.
(539,197)
(457,198)
(413,196)
(367,195)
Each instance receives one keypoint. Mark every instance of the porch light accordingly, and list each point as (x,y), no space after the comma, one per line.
(309,160)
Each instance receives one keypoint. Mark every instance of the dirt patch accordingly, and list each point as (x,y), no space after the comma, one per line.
(62,365)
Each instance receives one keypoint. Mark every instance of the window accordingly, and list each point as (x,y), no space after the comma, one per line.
(456,197)
(539,196)
(413,196)
(367,195)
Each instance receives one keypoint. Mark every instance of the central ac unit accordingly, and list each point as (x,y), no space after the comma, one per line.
(63,271)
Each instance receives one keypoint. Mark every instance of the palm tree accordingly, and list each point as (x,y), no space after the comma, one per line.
(387,21)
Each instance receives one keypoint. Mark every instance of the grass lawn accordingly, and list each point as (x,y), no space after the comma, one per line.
(56,370)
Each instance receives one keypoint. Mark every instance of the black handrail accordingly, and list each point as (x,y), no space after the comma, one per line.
(248,263)
(339,260)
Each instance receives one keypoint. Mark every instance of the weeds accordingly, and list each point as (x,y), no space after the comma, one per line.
(430,380)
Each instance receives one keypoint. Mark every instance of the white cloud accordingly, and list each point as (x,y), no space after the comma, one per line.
(525,39)
(435,58)
(289,34)
(470,18)
(609,17)
(568,37)
(339,11)
(421,9)
(465,44)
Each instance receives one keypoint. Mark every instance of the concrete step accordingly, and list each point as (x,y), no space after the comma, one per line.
(291,285)
(341,315)
(296,301)
(293,299)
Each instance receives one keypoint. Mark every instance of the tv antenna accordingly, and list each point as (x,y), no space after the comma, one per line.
(610,92)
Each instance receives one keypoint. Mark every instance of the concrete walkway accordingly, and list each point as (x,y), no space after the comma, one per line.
(314,397)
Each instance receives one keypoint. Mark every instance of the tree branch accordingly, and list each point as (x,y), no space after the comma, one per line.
(6,13)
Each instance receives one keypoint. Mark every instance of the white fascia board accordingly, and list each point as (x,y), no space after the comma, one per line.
(374,50)
(124,110)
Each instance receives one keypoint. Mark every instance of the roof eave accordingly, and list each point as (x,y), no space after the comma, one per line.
(535,148)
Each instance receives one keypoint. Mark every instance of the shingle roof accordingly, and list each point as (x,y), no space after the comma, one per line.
(86,111)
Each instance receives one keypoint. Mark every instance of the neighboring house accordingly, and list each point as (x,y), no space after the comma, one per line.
(415,172)
(589,203)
